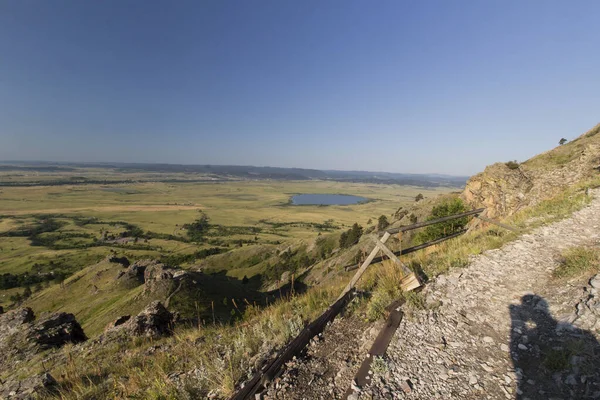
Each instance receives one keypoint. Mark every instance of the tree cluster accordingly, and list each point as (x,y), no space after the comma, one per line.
(9,281)
(351,236)
(197,229)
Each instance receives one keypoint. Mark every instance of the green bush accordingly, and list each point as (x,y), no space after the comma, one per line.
(382,223)
(351,236)
(512,164)
(447,208)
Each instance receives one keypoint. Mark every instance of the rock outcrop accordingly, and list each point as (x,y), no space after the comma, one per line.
(154,321)
(505,188)
(54,330)
(134,274)
(29,388)
(22,337)
(501,190)
(157,277)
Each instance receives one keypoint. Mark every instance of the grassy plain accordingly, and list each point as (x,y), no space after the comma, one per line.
(163,208)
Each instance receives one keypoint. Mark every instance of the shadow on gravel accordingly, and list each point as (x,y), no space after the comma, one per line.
(552,359)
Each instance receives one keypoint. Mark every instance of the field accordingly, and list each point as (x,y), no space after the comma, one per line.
(50,232)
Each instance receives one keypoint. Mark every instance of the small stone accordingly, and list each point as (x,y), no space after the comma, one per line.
(405,385)
(595,281)
(443,376)
(488,339)
(504,347)
(487,368)
(472,380)
(571,380)
(522,346)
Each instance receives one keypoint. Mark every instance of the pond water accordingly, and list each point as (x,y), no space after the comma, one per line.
(326,199)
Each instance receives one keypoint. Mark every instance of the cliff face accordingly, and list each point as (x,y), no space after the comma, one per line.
(507,188)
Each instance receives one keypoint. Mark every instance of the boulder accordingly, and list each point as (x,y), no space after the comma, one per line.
(30,388)
(13,321)
(158,278)
(55,330)
(22,336)
(154,321)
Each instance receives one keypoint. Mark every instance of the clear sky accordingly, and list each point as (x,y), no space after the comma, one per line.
(400,86)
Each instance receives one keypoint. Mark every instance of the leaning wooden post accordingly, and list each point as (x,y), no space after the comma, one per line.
(410,280)
(364,266)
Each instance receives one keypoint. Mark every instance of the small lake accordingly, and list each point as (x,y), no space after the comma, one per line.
(326,199)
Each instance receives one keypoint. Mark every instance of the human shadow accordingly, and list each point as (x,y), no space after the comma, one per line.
(552,359)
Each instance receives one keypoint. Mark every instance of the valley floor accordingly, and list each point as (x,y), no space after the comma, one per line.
(503,327)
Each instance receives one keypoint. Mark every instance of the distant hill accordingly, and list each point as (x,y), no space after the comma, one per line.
(246,172)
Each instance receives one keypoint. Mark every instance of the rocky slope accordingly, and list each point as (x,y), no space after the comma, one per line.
(505,188)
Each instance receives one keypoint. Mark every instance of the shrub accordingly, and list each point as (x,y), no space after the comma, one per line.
(447,208)
(351,236)
(382,223)
(512,164)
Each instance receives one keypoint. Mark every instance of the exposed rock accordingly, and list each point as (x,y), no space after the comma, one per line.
(503,190)
(21,337)
(157,277)
(154,321)
(29,388)
(595,281)
(55,330)
(12,321)
(134,274)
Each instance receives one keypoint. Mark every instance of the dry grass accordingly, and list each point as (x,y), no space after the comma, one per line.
(577,261)
(218,356)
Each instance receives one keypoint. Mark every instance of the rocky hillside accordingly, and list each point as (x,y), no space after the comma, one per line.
(506,188)
(102,292)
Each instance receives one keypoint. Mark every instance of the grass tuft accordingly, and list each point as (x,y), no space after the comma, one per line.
(577,261)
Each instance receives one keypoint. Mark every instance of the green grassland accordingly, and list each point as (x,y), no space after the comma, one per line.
(66,228)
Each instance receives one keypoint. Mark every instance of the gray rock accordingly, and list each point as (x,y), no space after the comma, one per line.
(30,388)
(154,321)
(55,330)
(595,281)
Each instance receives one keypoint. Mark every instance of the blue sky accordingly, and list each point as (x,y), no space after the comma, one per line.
(400,86)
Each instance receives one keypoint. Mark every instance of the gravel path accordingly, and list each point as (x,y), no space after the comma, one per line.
(499,328)
(505,328)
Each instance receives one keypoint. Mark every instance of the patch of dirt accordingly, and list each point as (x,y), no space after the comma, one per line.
(331,360)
